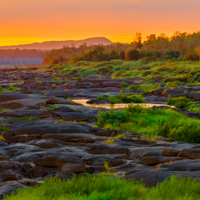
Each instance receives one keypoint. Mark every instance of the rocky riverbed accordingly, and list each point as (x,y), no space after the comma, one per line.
(44,134)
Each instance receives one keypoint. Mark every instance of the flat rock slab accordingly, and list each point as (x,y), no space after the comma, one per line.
(75,116)
(153,160)
(52,128)
(9,96)
(183,165)
(192,153)
(73,137)
(57,161)
(107,149)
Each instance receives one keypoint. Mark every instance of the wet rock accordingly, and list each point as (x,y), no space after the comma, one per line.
(9,96)
(74,116)
(26,168)
(29,182)
(46,144)
(70,168)
(153,160)
(23,103)
(183,165)
(192,153)
(170,152)
(4,158)
(107,149)
(138,168)
(38,171)
(73,137)
(3,144)
(20,113)
(64,109)
(44,114)
(4,165)
(100,159)
(57,161)
(9,175)
(102,132)
(95,169)
(52,128)
(144,152)
(56,100)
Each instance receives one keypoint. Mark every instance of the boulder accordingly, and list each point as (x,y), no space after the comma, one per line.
(9,96)
(9,175)
(46,144)
(73,137)
(98,148)
(57,161)
(153,160)
(170,152)
(70,168)
(182,165)
(51,128)
(191,153)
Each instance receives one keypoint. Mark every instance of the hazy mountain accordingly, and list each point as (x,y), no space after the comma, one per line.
(59,44)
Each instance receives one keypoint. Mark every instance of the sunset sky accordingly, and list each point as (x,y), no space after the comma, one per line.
(28,21)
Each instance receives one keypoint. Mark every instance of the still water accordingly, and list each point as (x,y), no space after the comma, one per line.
(116,106)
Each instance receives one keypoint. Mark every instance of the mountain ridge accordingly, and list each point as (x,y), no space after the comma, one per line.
(49,45)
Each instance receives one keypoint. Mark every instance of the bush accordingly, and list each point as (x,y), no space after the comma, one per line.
(191,56)
(124,85)
(179,102)
(172,54)
(132,54)
(128,98)
(103,97)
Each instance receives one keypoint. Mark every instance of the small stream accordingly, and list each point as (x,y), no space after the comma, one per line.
(116,106)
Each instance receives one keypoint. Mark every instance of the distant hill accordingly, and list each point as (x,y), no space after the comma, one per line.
(49,45)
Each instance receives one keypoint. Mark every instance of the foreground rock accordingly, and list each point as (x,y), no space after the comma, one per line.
(45,134)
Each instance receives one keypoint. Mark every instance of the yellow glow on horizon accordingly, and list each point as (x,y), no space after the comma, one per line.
(16,40)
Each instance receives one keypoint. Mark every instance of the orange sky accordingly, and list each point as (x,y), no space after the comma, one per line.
(28,21)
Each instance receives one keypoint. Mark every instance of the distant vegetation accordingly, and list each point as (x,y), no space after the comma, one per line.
(181,46)
(21,57)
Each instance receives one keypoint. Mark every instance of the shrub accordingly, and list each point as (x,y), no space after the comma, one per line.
(128,98)
(103,97)
(191,56)
(124,85)
(172,54)
(179,102)
(132,54)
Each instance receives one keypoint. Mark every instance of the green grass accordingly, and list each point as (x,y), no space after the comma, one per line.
(179,102)
(10,89)
(145,88)
(109,188)
(194,107)
(161,122)
(31,118)
(51,108)
(127,98)
(170,70)
(3,128)
(103,97)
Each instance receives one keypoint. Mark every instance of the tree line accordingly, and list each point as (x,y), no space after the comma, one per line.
(182,46)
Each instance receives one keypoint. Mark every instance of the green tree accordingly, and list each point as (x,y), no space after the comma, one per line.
(132,54)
